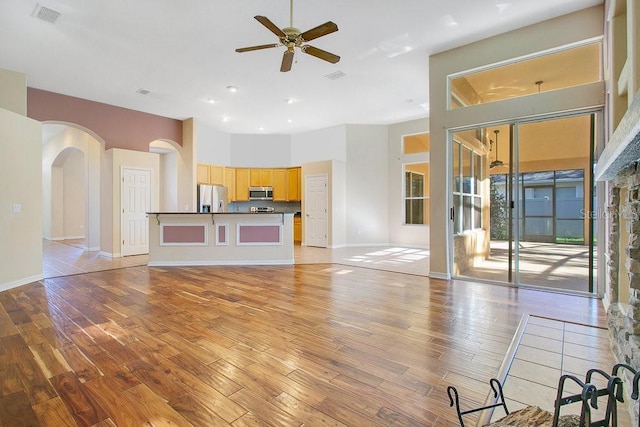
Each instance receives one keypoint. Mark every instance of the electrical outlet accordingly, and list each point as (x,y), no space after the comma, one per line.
(17,208)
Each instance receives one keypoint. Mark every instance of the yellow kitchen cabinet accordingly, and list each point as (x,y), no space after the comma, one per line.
(216,175)
(297,229)
(230,183)
(242,184)
(294,186)
(261,178)
(202,173)
(280,192)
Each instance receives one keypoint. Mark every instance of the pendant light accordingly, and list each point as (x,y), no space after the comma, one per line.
(496,162)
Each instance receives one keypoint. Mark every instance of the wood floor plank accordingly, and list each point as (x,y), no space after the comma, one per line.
(54,413)
(16,410)
(81,404)
(34,380)
(314,344)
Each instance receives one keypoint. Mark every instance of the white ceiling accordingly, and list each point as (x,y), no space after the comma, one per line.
(183,53)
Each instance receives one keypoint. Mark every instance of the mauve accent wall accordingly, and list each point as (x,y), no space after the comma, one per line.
(118,127)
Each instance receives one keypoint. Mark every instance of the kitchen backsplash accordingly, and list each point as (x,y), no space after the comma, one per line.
(277,206)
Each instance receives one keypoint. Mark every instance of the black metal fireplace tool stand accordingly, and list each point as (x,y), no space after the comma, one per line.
(588,397)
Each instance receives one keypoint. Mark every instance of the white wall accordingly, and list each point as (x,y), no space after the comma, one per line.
(323,144)
(399,233)
(21,175)
(367,187)
(213,146)
(248,150)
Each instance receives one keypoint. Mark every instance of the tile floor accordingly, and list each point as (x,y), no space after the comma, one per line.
(549,349)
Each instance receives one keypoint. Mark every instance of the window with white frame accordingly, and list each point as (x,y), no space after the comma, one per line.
(415,169)
(467,193)
(416,193)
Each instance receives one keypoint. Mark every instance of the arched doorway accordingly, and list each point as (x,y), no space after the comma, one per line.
(71,159)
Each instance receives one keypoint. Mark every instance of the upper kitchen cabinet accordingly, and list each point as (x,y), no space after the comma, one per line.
(280,185)
(203,174)
(216,175)
(210,174)
(294,186)
(242,184)
(261,178)
(230,183)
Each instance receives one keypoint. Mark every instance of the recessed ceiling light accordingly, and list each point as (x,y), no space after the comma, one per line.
(225,119)
(289,121)
(291,100)
(232,88)
(261,128)
(211,101)
(142,91)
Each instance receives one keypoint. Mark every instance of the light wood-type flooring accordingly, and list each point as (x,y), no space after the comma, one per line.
(309,344)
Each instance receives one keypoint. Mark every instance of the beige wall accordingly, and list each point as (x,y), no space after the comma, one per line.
(13,93)
(575,27)
(21,175)
(335,171)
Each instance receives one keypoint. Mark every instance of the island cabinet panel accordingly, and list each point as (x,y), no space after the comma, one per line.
(242,184)
(230,183)
(280,185)
(220,238)
(293,187)
(202,173)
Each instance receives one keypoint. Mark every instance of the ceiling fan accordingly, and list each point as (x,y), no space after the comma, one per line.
(291,37)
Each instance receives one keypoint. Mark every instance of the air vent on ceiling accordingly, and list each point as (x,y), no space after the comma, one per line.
(335,75)
(47,14)
(143,91)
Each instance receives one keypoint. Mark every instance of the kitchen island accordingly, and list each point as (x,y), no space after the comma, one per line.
(220,238)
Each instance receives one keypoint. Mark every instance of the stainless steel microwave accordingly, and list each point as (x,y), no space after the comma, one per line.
(260,193)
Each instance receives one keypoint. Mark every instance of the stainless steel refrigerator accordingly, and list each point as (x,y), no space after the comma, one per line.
(213,198)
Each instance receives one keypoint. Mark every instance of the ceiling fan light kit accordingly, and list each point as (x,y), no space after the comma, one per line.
(291,37)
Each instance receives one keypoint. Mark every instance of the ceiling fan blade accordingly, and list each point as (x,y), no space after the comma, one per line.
(319,31)
(287,60)
(262,46)
(319,53)
(270,26)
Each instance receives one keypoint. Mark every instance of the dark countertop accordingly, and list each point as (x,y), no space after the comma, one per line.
(220,213)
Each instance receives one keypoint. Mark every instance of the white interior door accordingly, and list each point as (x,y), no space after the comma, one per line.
(135,202)
(316,205)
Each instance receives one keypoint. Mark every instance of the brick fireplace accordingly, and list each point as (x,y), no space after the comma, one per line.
(619,167)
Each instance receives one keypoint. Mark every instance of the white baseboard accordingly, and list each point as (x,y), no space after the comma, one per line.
(73,237)
(437,275)
(110,255)
(16,283)
(92,249)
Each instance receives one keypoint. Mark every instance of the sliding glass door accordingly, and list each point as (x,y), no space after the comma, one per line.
(520,203)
